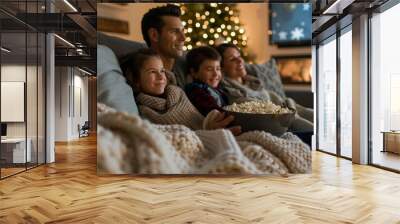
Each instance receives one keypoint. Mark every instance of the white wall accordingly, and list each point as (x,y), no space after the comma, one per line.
(61,103)
(17,73)
(253,16)
(33,127)
(70,83)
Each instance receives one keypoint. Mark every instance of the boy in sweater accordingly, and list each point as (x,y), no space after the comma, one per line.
(203,64)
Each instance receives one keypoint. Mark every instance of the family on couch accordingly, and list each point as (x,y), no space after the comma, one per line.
(156,84)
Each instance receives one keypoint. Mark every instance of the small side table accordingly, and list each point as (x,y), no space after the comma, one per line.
(13,150)
(391,141)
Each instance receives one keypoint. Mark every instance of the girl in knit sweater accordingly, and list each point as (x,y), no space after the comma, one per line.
(163,103)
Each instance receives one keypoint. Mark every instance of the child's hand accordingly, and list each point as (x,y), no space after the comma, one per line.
(217,120)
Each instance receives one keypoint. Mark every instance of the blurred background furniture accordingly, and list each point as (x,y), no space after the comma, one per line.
(84,130)
(391,141)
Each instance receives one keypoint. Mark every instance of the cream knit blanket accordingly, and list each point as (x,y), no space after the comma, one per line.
(175,108)
(130,145)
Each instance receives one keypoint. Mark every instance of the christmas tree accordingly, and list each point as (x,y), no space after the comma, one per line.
(213,24)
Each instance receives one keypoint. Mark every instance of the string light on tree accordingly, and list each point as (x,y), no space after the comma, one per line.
(213,24)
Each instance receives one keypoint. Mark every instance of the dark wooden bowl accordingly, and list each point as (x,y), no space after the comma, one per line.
(276,124)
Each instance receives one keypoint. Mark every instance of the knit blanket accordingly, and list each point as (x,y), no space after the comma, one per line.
(175,108)
(128,144)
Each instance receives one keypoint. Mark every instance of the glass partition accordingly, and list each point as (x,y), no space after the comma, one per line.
(326,128)
(13,109)
(346,93)
(22,78)
(31,98)
(385,89)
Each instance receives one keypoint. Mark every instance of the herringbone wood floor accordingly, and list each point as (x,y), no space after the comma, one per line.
(69,191)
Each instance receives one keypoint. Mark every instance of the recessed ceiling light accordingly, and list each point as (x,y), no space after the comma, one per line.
(84,71)
(64,40)
(5,49)
(70,5)
(337,7)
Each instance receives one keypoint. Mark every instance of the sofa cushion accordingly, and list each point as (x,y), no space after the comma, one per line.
(120,47)
(112,89)
(269,75)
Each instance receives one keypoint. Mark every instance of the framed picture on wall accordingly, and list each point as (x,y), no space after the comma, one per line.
(294,69)
(112,25)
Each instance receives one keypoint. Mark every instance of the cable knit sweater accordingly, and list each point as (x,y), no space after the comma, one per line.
(175,108)
(130,145)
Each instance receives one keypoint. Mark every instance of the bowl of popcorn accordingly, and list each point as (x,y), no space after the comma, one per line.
(261,115)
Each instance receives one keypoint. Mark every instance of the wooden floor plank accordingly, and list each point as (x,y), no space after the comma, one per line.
(69,191)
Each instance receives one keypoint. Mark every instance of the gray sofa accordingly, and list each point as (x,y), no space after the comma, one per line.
(115,92)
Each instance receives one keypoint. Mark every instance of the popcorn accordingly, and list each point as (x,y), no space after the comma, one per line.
(257,107)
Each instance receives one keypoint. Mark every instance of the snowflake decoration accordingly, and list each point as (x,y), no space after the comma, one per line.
(297,33)
(282,35)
